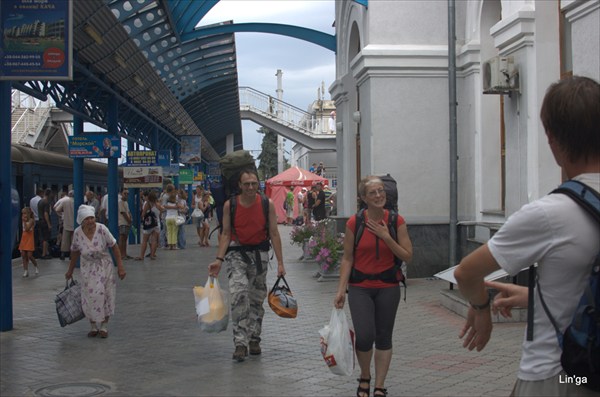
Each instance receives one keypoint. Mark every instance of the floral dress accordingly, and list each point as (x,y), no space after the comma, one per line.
(98,291)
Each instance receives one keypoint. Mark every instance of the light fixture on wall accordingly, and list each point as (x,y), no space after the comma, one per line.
(120,61)
(138,80)
(339,127)
(93,33)
(356,117)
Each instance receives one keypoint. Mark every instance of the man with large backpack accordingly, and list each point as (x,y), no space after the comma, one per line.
(559,234)
(249,229)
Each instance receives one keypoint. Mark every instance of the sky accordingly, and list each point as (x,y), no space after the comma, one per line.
(259,55)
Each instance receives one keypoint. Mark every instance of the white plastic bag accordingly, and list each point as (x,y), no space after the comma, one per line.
(337,344)
(211,306)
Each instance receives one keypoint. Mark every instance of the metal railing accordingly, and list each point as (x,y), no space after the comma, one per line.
(32,118)
(284,113)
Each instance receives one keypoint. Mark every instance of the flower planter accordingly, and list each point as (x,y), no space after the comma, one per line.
(306,254)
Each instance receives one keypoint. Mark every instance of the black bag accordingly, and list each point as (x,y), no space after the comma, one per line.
(580,342)
(150,220)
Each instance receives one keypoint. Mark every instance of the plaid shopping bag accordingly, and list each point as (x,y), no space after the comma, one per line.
(68,304)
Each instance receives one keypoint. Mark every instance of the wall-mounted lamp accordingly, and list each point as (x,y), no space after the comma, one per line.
(93,33)
(138,80)
(120,61)
(339,127)
(356,117)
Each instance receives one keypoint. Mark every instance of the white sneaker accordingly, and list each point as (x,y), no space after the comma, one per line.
(37,271)
(25,274)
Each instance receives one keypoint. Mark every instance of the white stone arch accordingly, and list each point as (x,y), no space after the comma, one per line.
(489,124)
(350,32)
(350,16)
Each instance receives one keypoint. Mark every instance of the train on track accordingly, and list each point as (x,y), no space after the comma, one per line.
(34,168)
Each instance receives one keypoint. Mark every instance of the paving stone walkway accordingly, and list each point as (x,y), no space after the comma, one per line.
(155,348)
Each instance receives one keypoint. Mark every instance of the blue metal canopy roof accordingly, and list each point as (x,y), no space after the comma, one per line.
(170,77)
(200,72)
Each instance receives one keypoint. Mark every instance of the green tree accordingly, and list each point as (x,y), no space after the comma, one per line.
(267,167)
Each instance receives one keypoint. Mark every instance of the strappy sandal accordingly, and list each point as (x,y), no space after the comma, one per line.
(383,392)
(93,333)
(363,391)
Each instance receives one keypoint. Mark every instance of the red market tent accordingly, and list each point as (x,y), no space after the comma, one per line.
(278,186)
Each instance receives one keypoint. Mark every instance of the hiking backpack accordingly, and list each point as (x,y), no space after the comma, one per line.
(580,343)
(392,275)
(231,165)
(391,193)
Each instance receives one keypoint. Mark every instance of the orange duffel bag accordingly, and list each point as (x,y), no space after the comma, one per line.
(281,300)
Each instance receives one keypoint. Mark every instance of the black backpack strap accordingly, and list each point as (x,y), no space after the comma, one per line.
(232,208)
(265,205)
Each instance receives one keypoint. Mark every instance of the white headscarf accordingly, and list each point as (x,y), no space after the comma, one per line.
(85,211)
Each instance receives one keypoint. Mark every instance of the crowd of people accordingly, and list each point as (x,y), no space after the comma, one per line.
(552,232)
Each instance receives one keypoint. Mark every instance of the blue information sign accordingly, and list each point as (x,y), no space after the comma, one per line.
(163,158)
(94,146)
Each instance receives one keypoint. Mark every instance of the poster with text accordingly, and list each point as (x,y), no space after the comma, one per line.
(142,177)
(36,40)
(94,146)
(190,149)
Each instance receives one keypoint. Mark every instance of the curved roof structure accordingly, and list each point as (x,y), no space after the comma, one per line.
(200,72)
(166,77)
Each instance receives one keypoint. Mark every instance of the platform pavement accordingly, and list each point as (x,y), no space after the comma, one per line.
(155,348)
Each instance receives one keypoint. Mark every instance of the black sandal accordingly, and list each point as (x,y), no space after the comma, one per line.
(381,390)
(362,391)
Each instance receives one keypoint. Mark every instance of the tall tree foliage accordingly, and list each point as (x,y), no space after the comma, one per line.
(267,167)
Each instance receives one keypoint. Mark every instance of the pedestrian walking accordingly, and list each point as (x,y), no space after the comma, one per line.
(27,246)
(91,242)
(369,273)
(244,246)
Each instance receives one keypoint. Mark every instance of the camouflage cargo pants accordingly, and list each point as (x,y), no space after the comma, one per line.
(247,291)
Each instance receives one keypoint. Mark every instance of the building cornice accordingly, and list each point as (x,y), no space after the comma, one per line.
(400,61)
(514,32)
(577,9)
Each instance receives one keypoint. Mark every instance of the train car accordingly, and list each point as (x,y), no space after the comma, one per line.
(33,168)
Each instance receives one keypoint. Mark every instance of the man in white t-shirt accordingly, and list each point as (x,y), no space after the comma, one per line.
(33,204)
(554,232)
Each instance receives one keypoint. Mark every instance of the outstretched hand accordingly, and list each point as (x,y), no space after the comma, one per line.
(477,330)
(509,296)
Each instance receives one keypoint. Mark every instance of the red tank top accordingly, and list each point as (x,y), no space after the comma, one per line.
(249,223)
(365,259)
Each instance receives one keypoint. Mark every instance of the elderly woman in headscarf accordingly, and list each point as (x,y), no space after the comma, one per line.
(91,242)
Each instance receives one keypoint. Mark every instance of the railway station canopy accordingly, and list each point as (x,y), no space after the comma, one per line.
(167,77)
(139,54)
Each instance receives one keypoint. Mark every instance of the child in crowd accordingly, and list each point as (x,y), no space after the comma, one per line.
(27,245)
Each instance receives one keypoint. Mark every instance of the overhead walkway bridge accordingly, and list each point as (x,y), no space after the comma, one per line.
(287,120)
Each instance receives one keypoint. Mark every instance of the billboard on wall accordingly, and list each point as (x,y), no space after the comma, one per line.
(36,40)
(141,157)
(191,149)
(142,177)
(94,146)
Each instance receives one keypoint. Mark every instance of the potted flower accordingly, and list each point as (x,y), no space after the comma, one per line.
(330,252)
(300,235)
